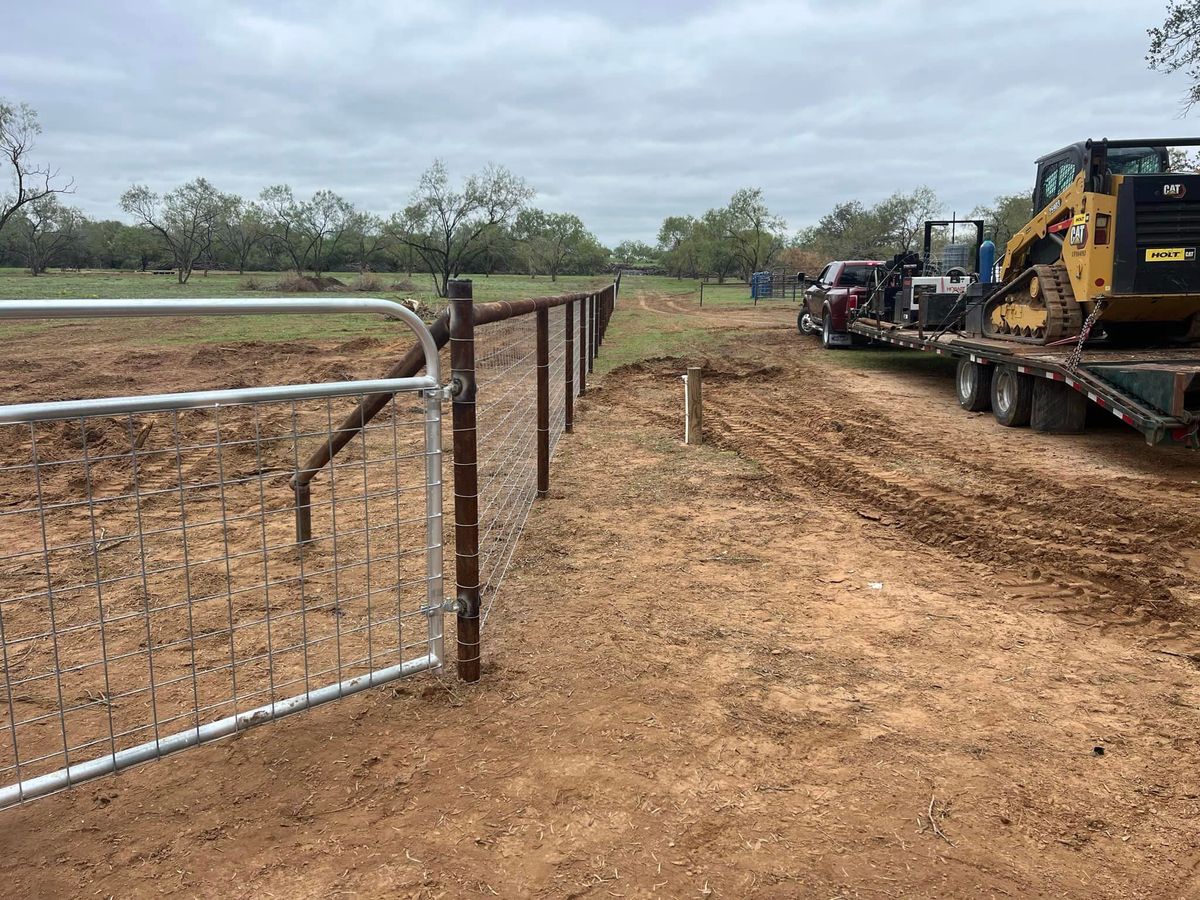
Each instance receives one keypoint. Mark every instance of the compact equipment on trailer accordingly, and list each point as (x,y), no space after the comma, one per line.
(1114,238)
(1153,388)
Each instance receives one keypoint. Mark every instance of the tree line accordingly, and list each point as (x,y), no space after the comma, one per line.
(746,237)
(483,225)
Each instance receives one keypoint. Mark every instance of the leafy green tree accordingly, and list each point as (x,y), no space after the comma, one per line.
(853,231)
(307,232)
(241,229)
(102,243)
(754,232)
(1004,217)
(366,241)
(716,255)
(48,231)
(185,219)
(1175,45)
(848,231)
(446,227)
(901,217)
(679,245)
(634,254)
(498,251)
(551,243)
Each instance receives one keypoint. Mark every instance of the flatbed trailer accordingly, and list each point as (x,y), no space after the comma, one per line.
(1156,391)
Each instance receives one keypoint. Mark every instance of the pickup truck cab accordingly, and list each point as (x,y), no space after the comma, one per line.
(840,287)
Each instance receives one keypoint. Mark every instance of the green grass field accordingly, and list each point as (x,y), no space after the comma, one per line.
(18,284)
(636,334)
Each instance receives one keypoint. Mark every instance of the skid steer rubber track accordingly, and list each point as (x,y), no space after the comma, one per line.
(1063,315)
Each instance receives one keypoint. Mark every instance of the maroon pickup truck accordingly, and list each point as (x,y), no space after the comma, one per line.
(840,287)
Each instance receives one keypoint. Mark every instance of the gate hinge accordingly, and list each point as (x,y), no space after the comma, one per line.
(448,605)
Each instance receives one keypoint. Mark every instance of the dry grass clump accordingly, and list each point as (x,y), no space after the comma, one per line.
(295,283)
(368,282)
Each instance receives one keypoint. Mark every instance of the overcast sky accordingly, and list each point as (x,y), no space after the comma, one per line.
(623,112)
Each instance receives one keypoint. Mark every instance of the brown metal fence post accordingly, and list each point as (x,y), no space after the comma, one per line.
(592,332)
(583,346)
(543,402)
(569,398)
(466,476)
(599,320)
(610,293)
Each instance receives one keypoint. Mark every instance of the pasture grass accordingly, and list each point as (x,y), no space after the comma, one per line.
(93,284)
(636,334)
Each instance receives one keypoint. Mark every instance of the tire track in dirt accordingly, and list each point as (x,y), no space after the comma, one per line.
(984,490)
(782,443)
(1004,489)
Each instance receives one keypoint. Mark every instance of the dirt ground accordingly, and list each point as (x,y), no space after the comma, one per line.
(861,644)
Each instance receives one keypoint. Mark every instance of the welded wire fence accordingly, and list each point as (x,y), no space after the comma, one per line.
(507,423)
(513,400)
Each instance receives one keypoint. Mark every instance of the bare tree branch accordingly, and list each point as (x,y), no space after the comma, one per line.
(19,127)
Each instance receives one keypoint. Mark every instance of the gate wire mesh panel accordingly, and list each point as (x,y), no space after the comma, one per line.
(506,417)
(150,581)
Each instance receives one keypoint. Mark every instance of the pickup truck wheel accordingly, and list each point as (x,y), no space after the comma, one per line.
(973,384)
(1012,397)
(805,322)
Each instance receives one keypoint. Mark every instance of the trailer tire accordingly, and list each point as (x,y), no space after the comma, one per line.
(973,385)
(1012,397)
(1057,409)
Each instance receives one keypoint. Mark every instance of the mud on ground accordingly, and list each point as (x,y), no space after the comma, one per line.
(862,644)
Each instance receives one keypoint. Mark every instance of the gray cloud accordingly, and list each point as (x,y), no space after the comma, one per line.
(623,113)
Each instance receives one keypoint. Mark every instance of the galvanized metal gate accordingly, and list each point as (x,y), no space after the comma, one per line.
(153,595)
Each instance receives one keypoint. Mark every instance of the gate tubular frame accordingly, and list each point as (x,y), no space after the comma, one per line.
(428,386)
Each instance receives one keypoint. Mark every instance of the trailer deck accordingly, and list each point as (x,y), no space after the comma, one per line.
(1156,391)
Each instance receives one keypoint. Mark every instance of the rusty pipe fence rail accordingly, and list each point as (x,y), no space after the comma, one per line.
(517,368)
(152,595)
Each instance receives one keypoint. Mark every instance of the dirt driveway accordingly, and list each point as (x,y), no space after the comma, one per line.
(862,644)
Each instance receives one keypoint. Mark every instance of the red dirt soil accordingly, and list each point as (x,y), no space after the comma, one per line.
(861,644)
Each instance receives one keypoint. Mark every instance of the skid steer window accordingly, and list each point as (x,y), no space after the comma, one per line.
(1135,161)
(1057,178)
